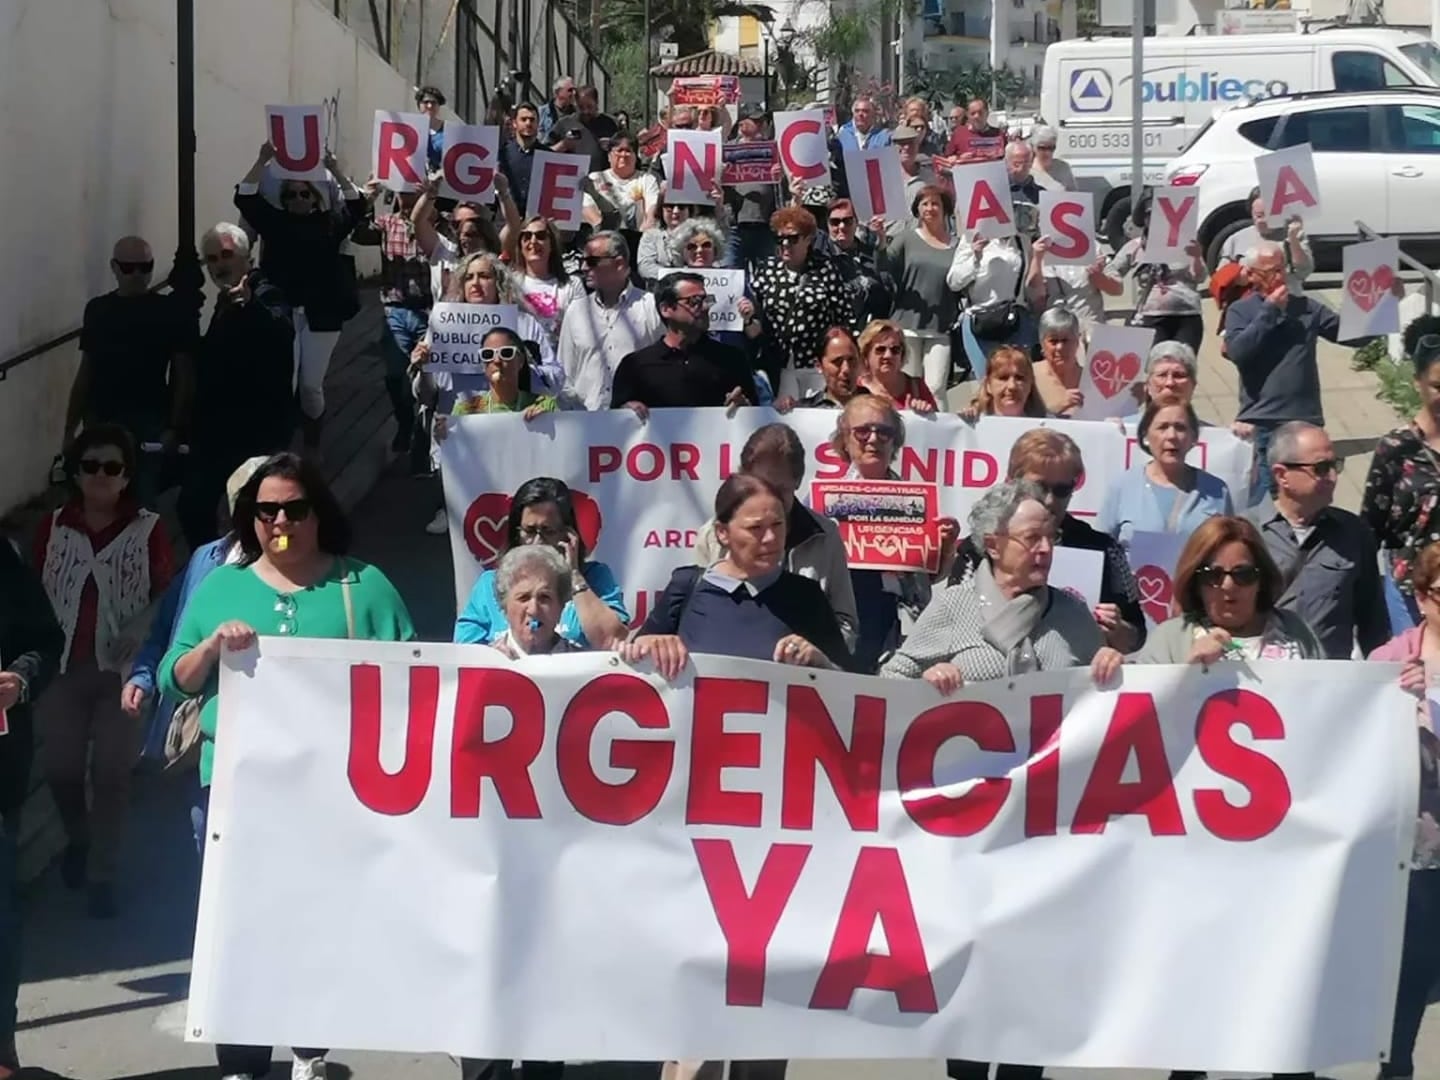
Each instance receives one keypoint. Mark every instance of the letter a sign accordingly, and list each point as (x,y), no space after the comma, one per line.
(1288,184)
(982,200)
(297,134)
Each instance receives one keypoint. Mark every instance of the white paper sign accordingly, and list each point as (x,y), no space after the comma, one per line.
(877,184)
(297,135)
(1153,556)
(728,289)
(1288,184)
(457,331)
(555,181)
(1369,306)
(1114,362)
(692,166)
(1067,219)
(399,147)
(1079,572)
(1174,221)
(983,206)
(469,161)
(800,141)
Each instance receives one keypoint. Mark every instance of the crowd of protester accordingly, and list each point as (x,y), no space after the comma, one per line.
(111,643)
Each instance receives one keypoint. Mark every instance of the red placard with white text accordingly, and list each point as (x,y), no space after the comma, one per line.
(748,162)
(1067,219)
(800,137)
(555,181)
(886,524)
(297,135)
(877,183)
(1174,221)
(399,145)
(705,90)
(1288,184)
(469,161)
(982,200)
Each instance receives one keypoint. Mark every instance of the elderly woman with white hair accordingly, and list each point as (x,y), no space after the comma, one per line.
(702,244)
(1057,374)
(1004,619)
(532,585)
(1170,378)
(1049,171)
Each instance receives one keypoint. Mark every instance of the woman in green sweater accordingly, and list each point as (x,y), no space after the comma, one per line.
(293,579)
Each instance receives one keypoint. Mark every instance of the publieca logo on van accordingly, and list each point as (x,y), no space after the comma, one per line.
(1093,89)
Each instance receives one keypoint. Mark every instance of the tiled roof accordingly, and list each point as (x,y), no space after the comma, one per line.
(711,62)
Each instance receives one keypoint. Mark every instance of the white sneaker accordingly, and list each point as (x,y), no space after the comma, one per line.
(440,523)
(308,1069)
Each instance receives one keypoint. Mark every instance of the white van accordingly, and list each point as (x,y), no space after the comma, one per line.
(1086,92)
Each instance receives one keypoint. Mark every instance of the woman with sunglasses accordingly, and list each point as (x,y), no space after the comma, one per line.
(1050,172)
(1008,388)
(542,511)
(104,562)
(882,354)
(300,253)
(294,578)
(506,362)
(537,265)
(659,248)
(800,295)
(1226,590)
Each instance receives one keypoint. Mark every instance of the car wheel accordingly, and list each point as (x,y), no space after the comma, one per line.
(1117,221)
(1214,251)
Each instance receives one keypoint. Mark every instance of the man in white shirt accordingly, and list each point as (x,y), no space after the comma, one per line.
(615,320)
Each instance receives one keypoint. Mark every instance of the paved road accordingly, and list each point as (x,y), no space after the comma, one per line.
(105,1001)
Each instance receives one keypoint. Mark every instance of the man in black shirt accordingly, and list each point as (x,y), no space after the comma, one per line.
(135,362)
(601,126)
(686,368)
(517,156)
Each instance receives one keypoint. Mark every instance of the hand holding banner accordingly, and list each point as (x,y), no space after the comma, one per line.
(469,161)
(398,150)
(1067,221)
(982,200)
(1114,363)
(297,135)
(877,184)
(1369,306)
(1288,184)
(457,331)
(692,166)
(800,137)
(1174,221)
(555,188)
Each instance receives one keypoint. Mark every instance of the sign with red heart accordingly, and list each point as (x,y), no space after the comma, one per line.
(1114,374)
(1369,305)
(486,525)
(1157,592)
(1115,362)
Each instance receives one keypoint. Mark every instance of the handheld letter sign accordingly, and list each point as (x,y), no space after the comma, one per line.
(801,139)
(1288,184)
(1152,558)
(555,181)
(1174,221)
(1368,307)
(1115,362)
(1078,571)
(472,152)
(1068,219)
(457,330)
(728,289)
(398,149)
(877,183)
(982,200)
(692,166)
(297,134)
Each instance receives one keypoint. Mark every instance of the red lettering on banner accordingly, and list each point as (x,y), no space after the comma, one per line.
(875,180)
(713,749)
(1174,213)
(507,760)
(829,465)
(952,815)
(386,792)
(603,460)
(672,538)
(981,469)
(650,461)
(397,156)
(684,158)
(1042,774)
(467,178)
(915,466)
(650,760)
(878,890)
(1270,797)
(645,472)
(641,604)
(726,456)
(559,184)
(984,203)
(685,461)
(1134,729)
(748,918)
(800,170)
(1289,188)
(1062,226)
(811,739)
(309,157)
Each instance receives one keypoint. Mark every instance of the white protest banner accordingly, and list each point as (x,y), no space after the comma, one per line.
(567,858)
(1153,556)
(877,184)
(1067,220)
(1288,184)
(648,489)
(297,135)
(469,161)
(398,149)
(982,200)
(1174,221)
(457,330)
(728,289)
(692,166)
(1079,571)
(1114,363)
(800,137)
(555,182)
(1369,306)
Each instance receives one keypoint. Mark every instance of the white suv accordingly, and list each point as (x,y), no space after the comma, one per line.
(1377,159)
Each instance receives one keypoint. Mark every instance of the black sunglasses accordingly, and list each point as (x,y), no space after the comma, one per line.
(882,432)
(1059,491)
(295,510)
(786,239)
(700,245)
(296,195)
(127,266)
(504,354)
(1321,469)
(836,222)
(90,467)
(596,260)
(531,234)
(1243,575)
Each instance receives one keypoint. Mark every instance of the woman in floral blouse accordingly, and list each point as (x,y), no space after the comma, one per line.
(1403,488)
(800,295)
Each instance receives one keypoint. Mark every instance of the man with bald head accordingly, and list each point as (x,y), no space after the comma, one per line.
(135,362)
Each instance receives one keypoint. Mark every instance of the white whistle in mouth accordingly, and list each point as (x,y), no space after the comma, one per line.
(282,543)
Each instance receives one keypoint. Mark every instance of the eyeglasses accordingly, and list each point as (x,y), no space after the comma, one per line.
(704,245)
(285,608)
(886,349)
(428,103)
(1320,469)
(296,195)
(295,510)
(540,237)
(540,534)
(841,222)
(1244,575)
(593,261)
(878,432)
(1045,146)
(127,266)
(696,303)
(786,239)
(1059,491)
(92,466)
(1031,541)
(502,355)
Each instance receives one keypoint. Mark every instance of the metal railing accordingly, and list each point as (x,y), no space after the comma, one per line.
(8,365)
(1428,278)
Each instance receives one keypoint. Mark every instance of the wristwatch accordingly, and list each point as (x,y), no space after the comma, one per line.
(579,585)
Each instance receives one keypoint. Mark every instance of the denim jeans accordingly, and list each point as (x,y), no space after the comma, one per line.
(404,329)
(1260,479)
(9,935)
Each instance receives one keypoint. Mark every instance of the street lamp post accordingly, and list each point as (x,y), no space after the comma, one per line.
(187,282)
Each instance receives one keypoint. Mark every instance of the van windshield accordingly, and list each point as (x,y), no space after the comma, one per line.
(1425,56)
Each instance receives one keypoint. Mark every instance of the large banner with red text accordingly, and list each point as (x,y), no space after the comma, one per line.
(645,489)
(566,858)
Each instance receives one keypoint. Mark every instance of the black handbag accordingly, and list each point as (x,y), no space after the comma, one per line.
(996,321)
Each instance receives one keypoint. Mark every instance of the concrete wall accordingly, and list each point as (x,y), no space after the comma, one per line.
(89,127)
